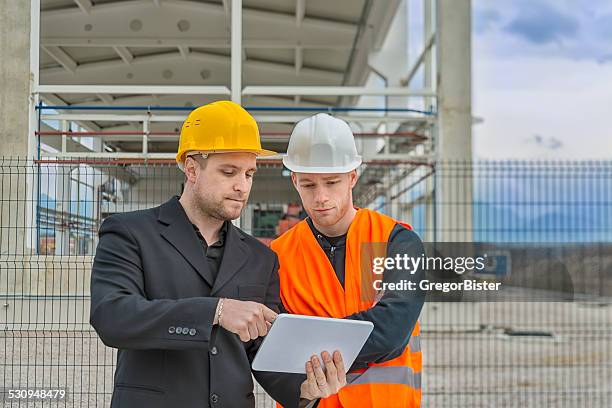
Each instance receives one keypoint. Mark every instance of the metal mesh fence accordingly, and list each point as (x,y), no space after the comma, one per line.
(475,353)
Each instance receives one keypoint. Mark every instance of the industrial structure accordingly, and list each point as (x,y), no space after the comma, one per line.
(94,95)
(113,80)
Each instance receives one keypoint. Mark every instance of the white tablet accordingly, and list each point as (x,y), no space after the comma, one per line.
(293,339)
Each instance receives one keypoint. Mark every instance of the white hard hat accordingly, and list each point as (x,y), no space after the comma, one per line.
(322,144)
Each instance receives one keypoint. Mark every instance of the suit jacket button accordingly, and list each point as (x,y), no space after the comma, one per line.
(214,350)
(171,329)
(192,332)
(214,398)
(179,330)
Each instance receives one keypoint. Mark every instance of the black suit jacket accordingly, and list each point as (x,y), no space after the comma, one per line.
(153,297)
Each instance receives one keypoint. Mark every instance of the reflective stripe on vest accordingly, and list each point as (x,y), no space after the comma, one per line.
(386,375)
(415,344)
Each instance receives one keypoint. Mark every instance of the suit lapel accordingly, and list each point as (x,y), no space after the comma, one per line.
(176,228)
(235,255)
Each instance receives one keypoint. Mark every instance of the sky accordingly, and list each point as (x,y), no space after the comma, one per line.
(542,79)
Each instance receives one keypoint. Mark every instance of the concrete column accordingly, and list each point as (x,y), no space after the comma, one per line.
(14,77)
(16,175)
(454,79)
(454,129)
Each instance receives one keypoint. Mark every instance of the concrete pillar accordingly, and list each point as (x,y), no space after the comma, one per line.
(14,77)
(454,79)
(454,129)
(16,174)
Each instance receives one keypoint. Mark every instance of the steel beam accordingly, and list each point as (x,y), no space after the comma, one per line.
(206,57)
(222,42)
(84,5)
(419,61)
(133,89)
(125,54)
(300,12)
(334,91)
(290,119)
(61,57)
(338,27)
(184,51)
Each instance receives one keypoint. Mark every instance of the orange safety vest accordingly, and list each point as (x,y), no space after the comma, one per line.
(309,286)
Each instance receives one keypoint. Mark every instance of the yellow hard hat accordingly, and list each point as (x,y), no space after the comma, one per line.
(220,127)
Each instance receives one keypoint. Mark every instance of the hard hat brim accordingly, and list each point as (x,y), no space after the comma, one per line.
(257,152)
(321,169)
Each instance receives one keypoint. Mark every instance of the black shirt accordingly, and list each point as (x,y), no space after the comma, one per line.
(334,248)
(214,252)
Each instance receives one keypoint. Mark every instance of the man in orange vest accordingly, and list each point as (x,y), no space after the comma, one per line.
(326,267)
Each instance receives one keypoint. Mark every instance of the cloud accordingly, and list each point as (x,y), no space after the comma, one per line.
(542,99)
(542,108)
(542,24)
(604,58)
(602,27)
(545,29)
(550,143)
(485,19)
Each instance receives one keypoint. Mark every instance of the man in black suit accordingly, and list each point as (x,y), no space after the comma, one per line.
(185,295)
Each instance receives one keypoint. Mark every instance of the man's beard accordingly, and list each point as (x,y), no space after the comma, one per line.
(215,209)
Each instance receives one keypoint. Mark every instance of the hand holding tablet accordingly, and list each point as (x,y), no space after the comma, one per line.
(293,345)
(294,339)
(321,384)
